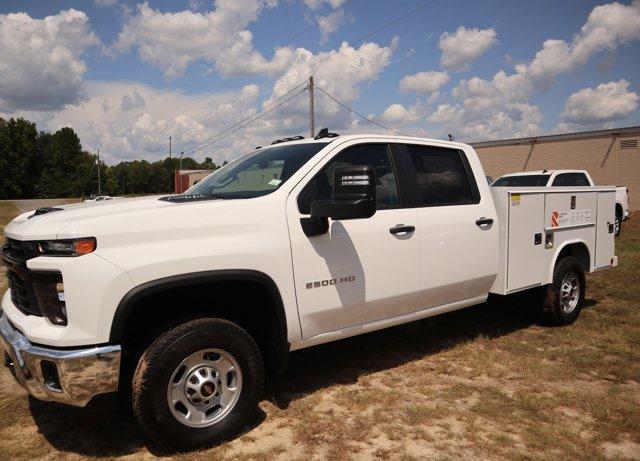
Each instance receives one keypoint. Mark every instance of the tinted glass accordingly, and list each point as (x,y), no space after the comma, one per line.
(571,179)
(258,173)
(375,155)
(442,176)
(530,180)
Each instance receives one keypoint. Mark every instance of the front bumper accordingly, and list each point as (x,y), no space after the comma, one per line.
(72,376)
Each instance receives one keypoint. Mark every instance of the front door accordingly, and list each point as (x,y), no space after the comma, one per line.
(362,270)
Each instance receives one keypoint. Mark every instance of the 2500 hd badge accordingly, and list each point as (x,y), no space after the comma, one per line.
(330,282)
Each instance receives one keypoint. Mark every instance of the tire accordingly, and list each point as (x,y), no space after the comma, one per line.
(618,224)
(563,300)
(200,352)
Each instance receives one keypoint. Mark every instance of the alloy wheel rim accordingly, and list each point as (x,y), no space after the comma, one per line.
(204,388)
(569,292)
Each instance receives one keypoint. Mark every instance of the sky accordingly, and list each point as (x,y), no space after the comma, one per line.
(221,77)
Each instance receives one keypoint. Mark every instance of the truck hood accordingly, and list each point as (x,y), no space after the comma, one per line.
(49,225)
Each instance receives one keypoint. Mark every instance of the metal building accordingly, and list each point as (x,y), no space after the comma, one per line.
(612,157)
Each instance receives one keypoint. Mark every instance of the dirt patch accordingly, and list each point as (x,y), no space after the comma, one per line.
(626,449)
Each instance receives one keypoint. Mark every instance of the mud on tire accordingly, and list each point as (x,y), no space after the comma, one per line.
(156,371)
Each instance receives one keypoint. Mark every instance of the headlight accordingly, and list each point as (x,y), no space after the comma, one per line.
(69,247)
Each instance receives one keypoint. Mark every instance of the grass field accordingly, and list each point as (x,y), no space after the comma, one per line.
(484,382)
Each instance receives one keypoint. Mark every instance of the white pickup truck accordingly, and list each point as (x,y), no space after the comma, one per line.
(181,301)
(566,178)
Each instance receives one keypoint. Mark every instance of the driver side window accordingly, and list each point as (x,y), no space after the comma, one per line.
(375,155)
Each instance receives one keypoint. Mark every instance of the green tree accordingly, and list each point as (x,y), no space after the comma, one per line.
(66,166)
(19,158)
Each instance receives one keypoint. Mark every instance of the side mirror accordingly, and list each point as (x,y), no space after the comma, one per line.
(354,194)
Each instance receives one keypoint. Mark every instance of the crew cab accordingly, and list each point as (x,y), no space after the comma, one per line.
(180,302)
(567,178)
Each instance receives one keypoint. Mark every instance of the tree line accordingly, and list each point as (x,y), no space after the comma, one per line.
(38,164)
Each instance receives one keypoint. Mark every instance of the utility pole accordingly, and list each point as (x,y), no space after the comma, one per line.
(169,147)
(181,154)
(312,122)
(98,171)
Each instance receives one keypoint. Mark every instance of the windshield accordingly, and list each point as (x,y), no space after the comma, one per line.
(529,180)
(258,173)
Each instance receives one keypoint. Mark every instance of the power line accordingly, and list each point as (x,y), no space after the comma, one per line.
(198,146)
(398,19)
(252,121)
(328,56)
(362,38)
(288,42)
(359,114)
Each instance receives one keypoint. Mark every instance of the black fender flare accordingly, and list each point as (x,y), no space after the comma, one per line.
(128,302)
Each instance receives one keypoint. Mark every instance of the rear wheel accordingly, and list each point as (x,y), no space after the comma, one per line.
(563,299)
(618,223)
(198,384)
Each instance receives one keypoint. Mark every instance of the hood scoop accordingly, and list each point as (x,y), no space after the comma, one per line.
(182,198)
(44,210)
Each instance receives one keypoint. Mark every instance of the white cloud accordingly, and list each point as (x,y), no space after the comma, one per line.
(606,28)
(606,103)
(128,120)
(316,4)
(330,23)
(500,107)
(490,109)
(132,101)
(465,46)
(173,41)
(340,72)
(114,120)
(424,82)
(41,64)
(397,115)
(512,120)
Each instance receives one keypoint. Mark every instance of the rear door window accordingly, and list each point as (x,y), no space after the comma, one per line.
(442,176)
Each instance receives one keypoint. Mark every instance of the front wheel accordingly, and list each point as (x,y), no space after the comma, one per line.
(198,384)
(563,299)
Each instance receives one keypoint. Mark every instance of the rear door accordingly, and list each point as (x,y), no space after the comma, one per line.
(458,231)
(359,271)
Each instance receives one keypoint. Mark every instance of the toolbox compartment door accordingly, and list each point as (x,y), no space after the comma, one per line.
(525,257)
(605,245)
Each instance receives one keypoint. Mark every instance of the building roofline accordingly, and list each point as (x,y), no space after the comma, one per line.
(557,137)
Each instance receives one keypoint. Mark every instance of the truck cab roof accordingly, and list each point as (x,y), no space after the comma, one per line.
(538,172)
(373,137)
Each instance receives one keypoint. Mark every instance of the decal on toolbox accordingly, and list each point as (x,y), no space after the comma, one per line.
(571,218)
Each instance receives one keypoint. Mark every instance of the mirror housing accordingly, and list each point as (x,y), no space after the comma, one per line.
(354,194)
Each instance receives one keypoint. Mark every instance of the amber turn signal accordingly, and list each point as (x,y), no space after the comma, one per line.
(84,246)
